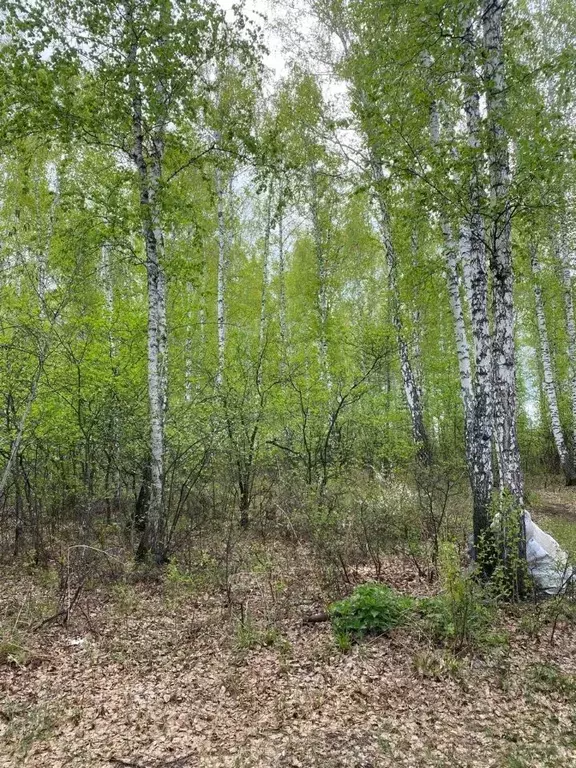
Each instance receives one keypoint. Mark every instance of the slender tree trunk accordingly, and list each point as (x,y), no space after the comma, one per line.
(416,317)
(462,346)
(566,273)
(188,346)
(149,173)
(322,294)
(282,287)
(222,265)
(412,390)
(451,257)
(549,384)
(263,325)
(512,545)
(473,249)
(501,253)
(112,472)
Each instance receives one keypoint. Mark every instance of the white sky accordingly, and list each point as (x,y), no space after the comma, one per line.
(255,9)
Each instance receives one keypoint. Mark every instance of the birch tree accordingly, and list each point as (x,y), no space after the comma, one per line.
(499,238)
(146,75)
(568,296)
(549,383)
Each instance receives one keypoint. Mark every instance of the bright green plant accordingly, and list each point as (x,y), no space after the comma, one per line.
(370,609)
(460,616)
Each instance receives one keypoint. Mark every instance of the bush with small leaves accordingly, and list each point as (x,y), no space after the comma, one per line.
(370,609)
(461,615)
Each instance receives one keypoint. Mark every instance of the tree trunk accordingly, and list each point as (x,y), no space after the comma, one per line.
(512,549)
(412,391)
(566,272)
(263,325)
(282,286)
(451,257)
(222,264)
(149,167)
(501,252)
(112,470)
(322,294)
(473,249)
(462,346)
(549,384)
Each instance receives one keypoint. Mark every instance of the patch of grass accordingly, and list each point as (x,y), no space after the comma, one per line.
(342,641)
(433,665)
(26,725)
(249,637)
(13,652)
(126,598)
(564,531)
(549,678)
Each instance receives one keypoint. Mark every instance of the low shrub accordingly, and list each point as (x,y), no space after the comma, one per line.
(370,609)
(461,615)
(459,623)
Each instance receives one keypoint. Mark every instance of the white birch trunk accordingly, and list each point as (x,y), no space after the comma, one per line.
(566,272)
(462,346)
(188,347)
(505,401)
(411,387)
(416,317)
(263,324)
(451,257)
(221,279)
(473,253)
(322,272)
(412,391)
(149,174)
(282,283)
(108,288)
(549,383)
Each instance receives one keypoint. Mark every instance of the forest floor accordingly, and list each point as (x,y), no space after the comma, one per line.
(163,674)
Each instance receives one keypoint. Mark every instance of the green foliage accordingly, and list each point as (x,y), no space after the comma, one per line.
(12,650)
(546,677)
(434,665)
(370,609)
(248,636)
(460,616)
(501,554)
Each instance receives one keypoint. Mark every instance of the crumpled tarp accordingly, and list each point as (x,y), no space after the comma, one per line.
(547,561)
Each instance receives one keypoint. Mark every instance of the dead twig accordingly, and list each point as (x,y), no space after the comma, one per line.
(63,612)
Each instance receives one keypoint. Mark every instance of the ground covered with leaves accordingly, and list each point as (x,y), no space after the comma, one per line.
(152,672)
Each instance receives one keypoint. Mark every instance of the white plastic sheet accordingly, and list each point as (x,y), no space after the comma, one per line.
(547,561)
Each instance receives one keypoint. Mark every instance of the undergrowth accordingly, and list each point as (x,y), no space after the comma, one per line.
(460,617)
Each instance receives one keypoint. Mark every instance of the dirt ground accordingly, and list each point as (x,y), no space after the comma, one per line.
(158,675)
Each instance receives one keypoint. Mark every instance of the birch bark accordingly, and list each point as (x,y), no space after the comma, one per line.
(505,401)
(149,167)
(451,258)
(282,284)
(112,470)
(221,288)
(566,273)
(322,294)
(412,390)
(549,383)
(263,325)
(472,241)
